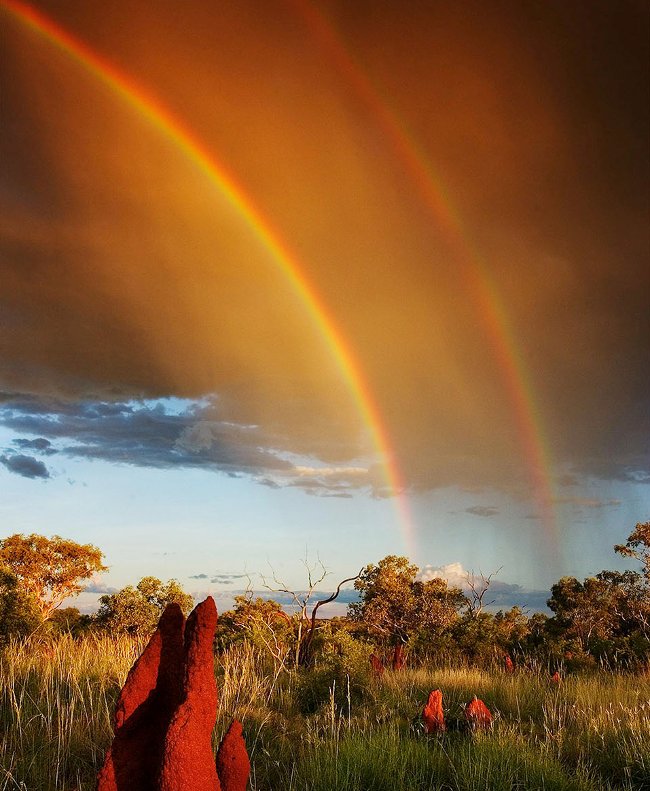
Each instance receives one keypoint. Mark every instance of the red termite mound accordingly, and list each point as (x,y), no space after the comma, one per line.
(144,709)
(233,766)
(399,660)
(477,714)
(508,664)
(188,761)
(166,712)
(377,666)
(432,714)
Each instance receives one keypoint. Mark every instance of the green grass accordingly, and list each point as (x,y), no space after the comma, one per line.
(306,732)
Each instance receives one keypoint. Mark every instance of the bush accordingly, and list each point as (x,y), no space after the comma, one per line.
(342,670)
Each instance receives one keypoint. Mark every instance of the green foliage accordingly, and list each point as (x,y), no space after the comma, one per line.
(49,569)
(136,611)
(260,622)
(341,672)
(19,613)
(396,607)
(585,611)
(69,621)
(638,546)
(606,617)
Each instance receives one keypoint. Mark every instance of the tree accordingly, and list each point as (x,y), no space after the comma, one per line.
(638,546)
(584,611)
(68,620)
(387,603)
(137,610)
(262,622)
(19,614)
(478,586)
(305,654)
(396,606)
(630,601)
(49,569)
(301,601)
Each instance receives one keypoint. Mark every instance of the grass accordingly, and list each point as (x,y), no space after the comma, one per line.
(316,732)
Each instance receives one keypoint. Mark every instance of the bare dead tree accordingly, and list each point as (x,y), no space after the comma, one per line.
(301,600)
(305,647)
(477,587)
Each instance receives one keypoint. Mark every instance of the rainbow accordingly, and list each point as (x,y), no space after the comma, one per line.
(182,137)
(479,283)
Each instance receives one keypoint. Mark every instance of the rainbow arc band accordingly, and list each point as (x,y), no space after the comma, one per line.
(182,137)
(480,286)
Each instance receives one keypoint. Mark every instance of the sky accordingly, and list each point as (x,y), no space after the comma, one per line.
(304,280)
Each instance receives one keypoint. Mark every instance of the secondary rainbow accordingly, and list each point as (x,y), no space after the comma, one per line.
(171,127)
(480,285)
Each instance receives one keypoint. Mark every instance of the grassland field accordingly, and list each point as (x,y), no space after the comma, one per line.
(318,730)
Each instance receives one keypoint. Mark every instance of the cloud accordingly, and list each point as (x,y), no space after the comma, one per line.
(346,596)
(501,595)
(225,578)
(26,466)
(109,294)
(185,434)
(38,445)
(588,502)
(627,468)
(568,480)
(482,510)
(453,573)
(286,600)
(99,587)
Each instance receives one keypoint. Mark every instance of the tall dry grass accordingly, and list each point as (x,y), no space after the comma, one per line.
(56,702)
(323,731)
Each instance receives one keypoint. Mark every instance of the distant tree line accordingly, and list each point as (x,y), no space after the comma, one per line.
(37,574)
(602,620)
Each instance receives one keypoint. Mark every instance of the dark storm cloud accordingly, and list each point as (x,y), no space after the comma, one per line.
(533,118)
(38,445)
(482,510)
(627,468)
(162,437)
(141,435)
(26,466)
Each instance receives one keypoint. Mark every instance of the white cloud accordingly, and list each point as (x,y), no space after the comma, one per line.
(453,573)
(330,471)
